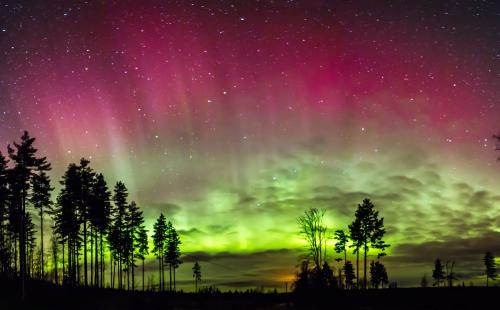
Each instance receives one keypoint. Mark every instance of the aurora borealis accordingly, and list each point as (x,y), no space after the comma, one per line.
(232,118)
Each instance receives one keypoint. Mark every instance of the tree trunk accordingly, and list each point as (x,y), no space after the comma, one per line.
(364,275)
(102,260)
(84,252)
(133,278)
(96,262)
(22,243)
(170,277)
(41,242)
(357,268)
(143,273)
(91,257)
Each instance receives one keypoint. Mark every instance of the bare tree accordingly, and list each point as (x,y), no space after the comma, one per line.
(314,231)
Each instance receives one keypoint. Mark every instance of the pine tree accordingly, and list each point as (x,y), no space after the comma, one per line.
(120,198)
(196,275)
(100,217)
(25,162)
(356,238)
(423,281)
(378,274)
(438,273)
(159,237)
(349,275)
(41,201)
(341,239)
(173,252)
(370,230)
(134,222)
(143,248)
(489,263)
(86,178)
(4,198)
(67,223)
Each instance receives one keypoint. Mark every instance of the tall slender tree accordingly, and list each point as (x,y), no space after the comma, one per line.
(438,272)
(490,265)
(173,252)
(86,178)
(67,223)
(355,234)
(142,248)
(4,198)
(341,239)
(134,222)
(120,198)
(23,156)
(371,230)
(41,201)
(159,236)
(196,275)
(100,217)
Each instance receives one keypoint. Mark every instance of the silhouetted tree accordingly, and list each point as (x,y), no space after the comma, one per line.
(159,246)
(378,274)
(450,273)
(54,249)
(120,199)
(196,275)
(327,279)
(173,254)
(423,281)
(5,255)
(341,239)
(349,275)
(67,223)
(313,230)
(438,273)
(142,248)
(86,178)
(41,201)
(368,230)
(357,242)
(23,157)
(134,221)
(29,228)
(100,220)
(302,280)
(489,263)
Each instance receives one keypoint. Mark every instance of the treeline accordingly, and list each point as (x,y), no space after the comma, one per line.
(94,231)
(364,233)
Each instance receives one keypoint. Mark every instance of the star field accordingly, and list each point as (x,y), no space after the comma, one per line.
(232,118)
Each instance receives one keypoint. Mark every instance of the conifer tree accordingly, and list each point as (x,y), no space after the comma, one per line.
(196,275)
(159,237)
(489,263)
(41,201)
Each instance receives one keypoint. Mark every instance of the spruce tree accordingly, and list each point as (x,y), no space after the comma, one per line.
(159,237)
(41,201)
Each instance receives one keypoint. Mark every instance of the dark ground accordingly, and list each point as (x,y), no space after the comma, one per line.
(46,296)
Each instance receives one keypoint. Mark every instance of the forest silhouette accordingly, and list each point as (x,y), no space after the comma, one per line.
(99,240)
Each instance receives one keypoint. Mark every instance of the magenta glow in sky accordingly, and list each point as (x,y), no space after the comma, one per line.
(233,118)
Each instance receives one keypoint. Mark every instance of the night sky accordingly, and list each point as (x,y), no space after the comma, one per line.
(233,118)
